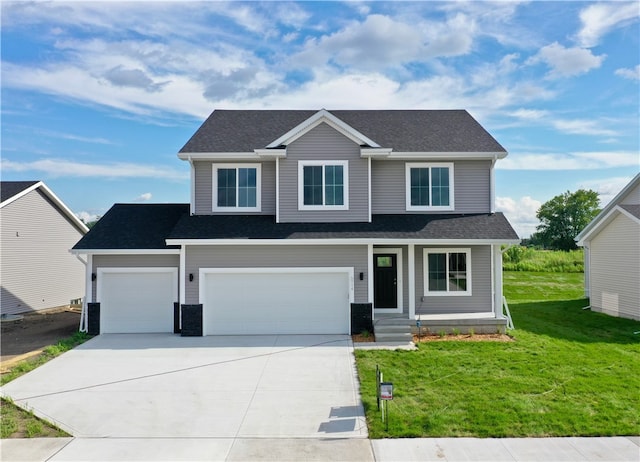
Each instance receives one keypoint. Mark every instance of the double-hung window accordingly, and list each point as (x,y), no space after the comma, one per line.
(236,187)
(447,271)
(323,185)
(429,186)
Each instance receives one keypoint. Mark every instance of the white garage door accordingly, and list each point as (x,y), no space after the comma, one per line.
(276,300)
(137,300)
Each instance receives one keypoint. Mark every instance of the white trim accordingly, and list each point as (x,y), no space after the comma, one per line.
(492,269)
(411,283)
(277,190)
(399,279)
(348,270)
(426,155)
(183,274)
(55,199)
(323,164)
(271,153)
(214,187)
(135,270)
(430,166)
(344,241)
(221,156)
(88,293)
(375,152)
(492,185)
(127,251)
(192,205)
(370,292)
(322,116)
(425,272)
(369,188)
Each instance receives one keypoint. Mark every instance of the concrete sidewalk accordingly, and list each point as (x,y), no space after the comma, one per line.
(615,449)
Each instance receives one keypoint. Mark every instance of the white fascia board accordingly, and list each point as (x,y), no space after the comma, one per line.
(446,155)
(125,251)
(55,199)
(315,120)
(362,241)
(600,223)
(375,152)
(224,156)
(271,153)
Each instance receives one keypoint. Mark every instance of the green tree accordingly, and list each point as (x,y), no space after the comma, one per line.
(564,216)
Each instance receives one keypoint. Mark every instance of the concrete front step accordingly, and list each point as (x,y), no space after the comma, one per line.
(394,337)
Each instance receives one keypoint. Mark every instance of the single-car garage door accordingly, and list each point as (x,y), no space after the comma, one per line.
(137,300)
(276,300)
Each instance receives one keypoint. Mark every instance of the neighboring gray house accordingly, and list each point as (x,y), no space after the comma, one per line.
(296,215)
(37,232)
(612,255)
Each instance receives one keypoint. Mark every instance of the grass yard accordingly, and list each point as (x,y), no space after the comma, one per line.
(569,372)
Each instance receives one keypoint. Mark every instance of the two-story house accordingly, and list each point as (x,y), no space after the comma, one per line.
(296,215)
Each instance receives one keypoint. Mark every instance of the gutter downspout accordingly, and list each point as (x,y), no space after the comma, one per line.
(83,316)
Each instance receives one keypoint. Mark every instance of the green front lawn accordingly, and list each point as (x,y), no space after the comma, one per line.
(568,372)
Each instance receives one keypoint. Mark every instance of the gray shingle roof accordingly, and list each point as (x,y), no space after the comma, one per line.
(402,130)
(633,209)
(133,226)
(8,189)
(416,226)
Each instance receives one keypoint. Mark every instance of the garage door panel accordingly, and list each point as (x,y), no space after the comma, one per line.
(276,303)
(137,301)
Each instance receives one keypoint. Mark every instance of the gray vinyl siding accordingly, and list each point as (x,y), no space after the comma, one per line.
(472,183)
(632,197)
(132,261)
(38,272)
(324,143)
(405,272)
(204,189)
(250,256)
(615,269)
(478,301)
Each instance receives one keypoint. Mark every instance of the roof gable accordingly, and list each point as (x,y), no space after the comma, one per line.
(17,189)
(607,214)
(411,131)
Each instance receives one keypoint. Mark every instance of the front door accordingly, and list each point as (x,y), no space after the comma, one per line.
(385,281)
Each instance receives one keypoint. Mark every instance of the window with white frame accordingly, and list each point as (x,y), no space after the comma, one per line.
(429,186)
(447,271)
(236,187)
(323,185)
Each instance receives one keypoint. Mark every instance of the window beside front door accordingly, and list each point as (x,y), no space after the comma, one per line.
(447,271)
(323,185)
(429,186)
(236,187)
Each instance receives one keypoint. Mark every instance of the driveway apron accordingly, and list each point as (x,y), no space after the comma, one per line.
(167,386)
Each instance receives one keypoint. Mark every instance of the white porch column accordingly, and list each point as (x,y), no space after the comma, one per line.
(497,274)
(88,293)
(411,284)
(370,275)
(182,276)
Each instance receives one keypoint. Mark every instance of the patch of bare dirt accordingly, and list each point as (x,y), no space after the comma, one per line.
(463,338)
(36,331)
(359,338)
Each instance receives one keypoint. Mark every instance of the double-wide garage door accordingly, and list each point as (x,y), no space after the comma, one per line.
(137,300)
(276,300)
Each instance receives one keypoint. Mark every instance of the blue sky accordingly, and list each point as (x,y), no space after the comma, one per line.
(97,98)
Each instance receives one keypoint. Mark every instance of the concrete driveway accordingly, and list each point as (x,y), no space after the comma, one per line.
(167,386)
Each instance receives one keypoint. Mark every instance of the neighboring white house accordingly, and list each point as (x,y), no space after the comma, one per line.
(37,231)
(612,255)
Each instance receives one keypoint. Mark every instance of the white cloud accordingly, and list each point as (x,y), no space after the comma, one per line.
(566,62)
(87,217)
(60,168)
(599,19)
(631,74)
(529,114)
(145,197)
(570,161)
(607,188)
(582,127)
(521,213)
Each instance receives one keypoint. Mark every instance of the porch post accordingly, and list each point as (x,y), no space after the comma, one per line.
(182,274)
(411,284)
(370,275)
(497,267)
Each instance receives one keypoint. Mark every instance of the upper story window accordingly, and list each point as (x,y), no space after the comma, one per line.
(236,187)
(447,271)
(429,186)
(323,185)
